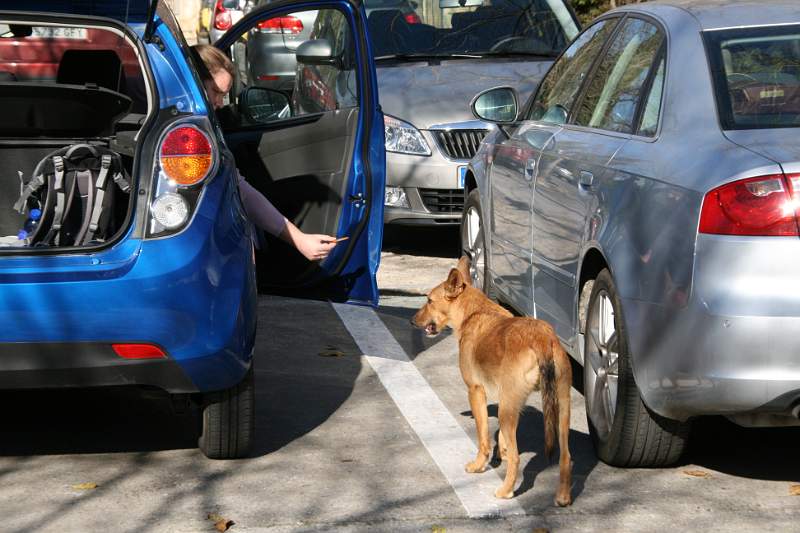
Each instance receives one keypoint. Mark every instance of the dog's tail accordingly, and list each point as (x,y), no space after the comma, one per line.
(547,374)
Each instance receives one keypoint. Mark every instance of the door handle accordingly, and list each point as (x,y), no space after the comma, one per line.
(586,179)
(530,169)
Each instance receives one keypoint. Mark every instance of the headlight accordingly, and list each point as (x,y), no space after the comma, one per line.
(403,138)
(395,197)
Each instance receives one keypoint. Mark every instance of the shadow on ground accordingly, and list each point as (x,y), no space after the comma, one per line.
(755,453)
(297,389)
(436,241)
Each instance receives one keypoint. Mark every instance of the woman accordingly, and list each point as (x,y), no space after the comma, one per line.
(217,78)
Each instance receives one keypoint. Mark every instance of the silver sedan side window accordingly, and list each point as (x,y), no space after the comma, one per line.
(560,87)
(613,94)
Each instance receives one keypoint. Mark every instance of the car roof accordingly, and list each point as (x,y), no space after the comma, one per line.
(716,14)
(130,11)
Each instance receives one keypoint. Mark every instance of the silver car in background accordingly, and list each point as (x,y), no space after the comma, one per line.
(431,60)
(272,48)
(646,204)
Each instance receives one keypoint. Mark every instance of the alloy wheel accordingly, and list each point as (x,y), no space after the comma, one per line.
(473,245)
(601,364)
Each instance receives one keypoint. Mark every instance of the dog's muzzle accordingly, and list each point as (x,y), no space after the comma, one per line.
(430,330)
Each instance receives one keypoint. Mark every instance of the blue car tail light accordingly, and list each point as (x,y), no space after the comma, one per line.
(188,156)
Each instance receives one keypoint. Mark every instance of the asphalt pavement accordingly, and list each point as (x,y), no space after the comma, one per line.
(338,449)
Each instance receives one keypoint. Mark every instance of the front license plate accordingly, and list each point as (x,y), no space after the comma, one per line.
(462,172)
(50,32)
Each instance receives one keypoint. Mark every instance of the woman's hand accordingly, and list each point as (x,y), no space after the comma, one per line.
(313,246)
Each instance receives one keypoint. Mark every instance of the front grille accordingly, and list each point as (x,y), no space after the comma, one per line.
(459,144)
(443,201)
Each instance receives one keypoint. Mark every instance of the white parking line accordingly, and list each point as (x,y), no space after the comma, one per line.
(445,440)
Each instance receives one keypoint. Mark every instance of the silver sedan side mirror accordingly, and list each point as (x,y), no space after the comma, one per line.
(498,105)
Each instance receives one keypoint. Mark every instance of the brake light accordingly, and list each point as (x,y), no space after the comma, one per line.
(186,156)
(222,18)
(762,206)
(413,18)
(138,351)
(285,25)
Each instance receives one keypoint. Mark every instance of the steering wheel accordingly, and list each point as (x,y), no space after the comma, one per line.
(737,77)
(499,44)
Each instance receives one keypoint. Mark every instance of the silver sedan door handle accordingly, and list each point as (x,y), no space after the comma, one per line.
(530,169)
(586,180)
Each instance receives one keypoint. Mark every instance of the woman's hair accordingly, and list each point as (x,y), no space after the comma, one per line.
(213,59)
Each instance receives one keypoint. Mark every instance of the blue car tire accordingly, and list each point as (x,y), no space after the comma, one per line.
(229,421)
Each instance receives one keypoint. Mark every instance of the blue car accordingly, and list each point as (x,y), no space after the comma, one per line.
(126,257)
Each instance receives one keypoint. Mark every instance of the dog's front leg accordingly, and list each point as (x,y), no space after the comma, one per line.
(477,401)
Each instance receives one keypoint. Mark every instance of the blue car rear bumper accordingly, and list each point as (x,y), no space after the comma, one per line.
(192,294)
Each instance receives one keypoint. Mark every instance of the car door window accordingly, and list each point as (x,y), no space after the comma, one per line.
(557,92)
(275,83)
(613,93)
(652,107)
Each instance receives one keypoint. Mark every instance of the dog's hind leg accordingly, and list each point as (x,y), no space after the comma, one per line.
(477,401)
(509,409)
(563,387)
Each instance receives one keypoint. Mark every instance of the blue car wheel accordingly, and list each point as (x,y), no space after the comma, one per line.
(229,421)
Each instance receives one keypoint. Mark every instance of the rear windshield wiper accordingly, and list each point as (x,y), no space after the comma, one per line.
(425,57)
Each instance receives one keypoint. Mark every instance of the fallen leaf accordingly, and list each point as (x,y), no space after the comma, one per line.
(85,486)
(697,473)
(224,525)
(438,529)
(541,530)
(794,490)
(221,523)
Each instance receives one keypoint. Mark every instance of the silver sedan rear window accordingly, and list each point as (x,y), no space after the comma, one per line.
(756,75)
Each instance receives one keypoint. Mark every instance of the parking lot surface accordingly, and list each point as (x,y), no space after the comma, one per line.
(342,445)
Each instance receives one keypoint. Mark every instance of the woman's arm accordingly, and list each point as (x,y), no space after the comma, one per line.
(267,217)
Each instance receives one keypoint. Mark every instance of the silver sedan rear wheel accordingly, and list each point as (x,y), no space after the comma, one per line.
(601,365)
(624,431)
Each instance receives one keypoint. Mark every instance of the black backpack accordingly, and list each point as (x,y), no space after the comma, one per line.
(71,188)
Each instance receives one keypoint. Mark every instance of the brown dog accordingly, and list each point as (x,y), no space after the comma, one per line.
(511,356)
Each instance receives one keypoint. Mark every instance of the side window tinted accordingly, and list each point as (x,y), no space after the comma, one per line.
(613,93)
(557,92)
(652,107)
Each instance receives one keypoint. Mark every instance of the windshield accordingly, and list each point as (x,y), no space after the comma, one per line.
(756,76)
(469,27)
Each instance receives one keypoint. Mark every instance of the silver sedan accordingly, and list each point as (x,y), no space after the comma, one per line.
(645,202)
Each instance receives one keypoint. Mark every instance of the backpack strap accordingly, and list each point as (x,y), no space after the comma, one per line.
(100,192)
(36,182)
(122,183)
(58,187)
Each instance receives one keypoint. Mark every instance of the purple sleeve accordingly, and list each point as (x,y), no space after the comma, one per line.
(261,212)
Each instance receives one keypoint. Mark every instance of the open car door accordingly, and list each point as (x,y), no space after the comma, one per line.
(304,126)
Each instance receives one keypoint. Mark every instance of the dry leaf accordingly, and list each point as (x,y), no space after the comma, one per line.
(85,486)
(541,530)
(794,490)
(438,529)
(221,523)
(697,473)
(224,525)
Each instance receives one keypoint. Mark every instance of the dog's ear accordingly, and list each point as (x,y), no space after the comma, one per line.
(463,267)
(454,285)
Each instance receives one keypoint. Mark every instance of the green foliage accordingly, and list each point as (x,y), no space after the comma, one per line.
(589,9)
